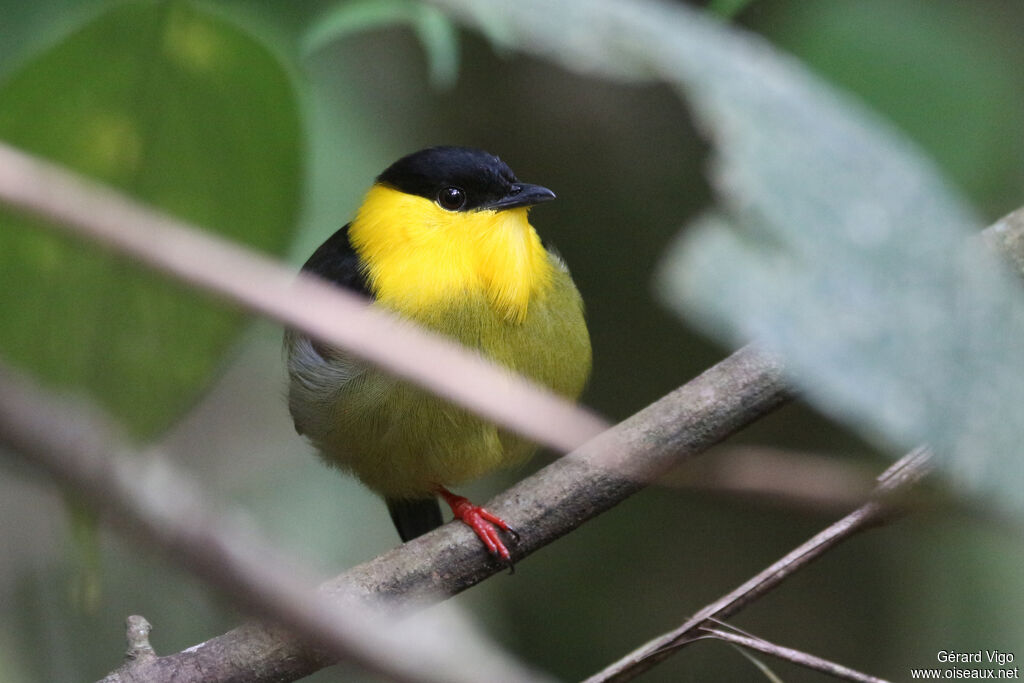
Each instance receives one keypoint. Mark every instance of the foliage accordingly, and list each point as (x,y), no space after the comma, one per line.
(186,112)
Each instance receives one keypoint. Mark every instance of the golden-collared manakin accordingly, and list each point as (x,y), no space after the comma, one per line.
(442,239)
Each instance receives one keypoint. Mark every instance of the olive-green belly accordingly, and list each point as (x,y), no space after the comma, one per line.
(401,441)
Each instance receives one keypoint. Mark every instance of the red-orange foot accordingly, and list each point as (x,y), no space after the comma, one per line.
(483,523)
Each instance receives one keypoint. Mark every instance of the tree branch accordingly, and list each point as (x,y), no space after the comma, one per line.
(884,505)
(544,507)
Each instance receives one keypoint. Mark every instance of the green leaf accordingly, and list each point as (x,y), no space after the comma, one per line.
(434,30)
(841,247)
(836,242)
(186,112)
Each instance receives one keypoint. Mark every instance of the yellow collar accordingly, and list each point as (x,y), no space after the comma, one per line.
(418,255)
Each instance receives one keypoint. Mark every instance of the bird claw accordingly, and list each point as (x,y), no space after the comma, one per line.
(484,524)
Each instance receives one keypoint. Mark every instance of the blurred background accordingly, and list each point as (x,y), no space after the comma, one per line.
(309,114)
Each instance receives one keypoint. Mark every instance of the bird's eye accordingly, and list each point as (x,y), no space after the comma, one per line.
(451,198)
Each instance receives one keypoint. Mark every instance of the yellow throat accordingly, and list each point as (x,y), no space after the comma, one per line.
(418,255)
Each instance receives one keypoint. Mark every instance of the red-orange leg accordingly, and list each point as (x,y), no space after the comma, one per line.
(484,524)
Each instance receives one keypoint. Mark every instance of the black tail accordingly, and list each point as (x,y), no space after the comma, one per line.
(414,518)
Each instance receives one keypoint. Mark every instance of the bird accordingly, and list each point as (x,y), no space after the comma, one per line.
(442,239)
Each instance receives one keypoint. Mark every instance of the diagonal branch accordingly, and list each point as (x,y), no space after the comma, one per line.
(545,506)
(905,472)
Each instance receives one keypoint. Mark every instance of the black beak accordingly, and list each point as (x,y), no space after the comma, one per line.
(521,194)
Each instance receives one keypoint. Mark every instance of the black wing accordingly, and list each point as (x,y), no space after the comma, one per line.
(337,261)
(414,518)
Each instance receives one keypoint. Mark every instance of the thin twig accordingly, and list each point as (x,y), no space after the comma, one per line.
(808,661)
(900,476)
(244,277)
